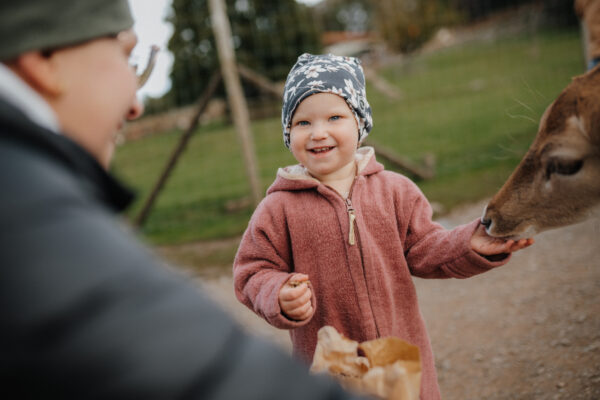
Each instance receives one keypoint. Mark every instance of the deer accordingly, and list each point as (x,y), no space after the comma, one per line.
(557,182)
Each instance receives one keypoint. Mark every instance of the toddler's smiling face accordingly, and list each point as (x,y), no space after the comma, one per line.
(324,136)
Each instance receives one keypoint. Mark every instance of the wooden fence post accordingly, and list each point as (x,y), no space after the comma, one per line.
(235,94)
(585,39)
(210,90)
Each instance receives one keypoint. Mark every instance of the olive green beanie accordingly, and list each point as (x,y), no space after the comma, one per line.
(27,25)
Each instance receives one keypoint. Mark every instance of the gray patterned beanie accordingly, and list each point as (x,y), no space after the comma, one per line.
(327,74)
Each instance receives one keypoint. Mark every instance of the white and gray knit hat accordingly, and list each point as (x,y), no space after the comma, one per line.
(327,74)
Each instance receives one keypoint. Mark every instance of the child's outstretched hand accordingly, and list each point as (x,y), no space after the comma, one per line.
(487,245)
(295,298)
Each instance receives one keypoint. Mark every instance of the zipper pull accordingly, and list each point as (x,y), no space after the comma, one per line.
(351,239)
(352,217)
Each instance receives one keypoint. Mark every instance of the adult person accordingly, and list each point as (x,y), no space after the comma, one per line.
(85,310)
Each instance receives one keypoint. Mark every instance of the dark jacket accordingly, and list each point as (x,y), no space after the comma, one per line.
(87,312)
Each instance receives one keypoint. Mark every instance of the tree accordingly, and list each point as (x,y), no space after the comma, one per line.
(403,24)
(345,15)
(553,12)
(406,24)
(268,36)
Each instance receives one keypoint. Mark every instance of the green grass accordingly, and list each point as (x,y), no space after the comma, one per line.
(474,107)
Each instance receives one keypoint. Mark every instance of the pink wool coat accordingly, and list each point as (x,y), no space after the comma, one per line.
(365,290)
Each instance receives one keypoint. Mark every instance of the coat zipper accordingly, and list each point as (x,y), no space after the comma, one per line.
(352,217)
(351,214)
(352,239)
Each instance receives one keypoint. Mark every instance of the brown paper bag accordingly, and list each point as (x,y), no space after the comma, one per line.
(390,368)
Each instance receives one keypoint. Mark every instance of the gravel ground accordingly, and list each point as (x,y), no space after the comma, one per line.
(528,330)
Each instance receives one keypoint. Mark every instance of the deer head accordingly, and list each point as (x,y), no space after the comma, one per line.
(557,183)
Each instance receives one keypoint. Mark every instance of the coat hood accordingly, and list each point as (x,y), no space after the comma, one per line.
(296,177)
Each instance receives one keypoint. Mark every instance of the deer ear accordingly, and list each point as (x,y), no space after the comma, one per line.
(594,124)
(39,72)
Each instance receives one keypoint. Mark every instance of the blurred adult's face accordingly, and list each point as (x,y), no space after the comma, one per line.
(97,89)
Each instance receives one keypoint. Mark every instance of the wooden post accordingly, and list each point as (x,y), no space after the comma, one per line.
(417,171)
(262,83)
(235,95)
(585,40)
(202,104)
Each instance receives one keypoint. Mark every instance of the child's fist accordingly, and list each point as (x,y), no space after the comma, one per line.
(295,298)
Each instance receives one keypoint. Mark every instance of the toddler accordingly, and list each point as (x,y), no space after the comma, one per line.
(358,232)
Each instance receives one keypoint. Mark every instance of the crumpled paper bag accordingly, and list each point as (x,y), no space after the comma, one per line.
(390,368)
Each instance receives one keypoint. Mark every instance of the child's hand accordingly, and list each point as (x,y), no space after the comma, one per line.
(295,298)
(487,245)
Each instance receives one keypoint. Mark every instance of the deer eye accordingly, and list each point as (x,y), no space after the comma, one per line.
(562,166)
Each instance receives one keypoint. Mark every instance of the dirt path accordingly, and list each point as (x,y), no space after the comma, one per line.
(528,330)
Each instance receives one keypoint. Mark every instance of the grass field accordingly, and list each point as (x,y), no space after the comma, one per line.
(474,107)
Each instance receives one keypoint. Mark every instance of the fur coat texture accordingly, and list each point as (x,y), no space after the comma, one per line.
(365,289)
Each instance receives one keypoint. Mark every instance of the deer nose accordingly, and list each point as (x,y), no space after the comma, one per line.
(486,222)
